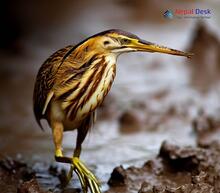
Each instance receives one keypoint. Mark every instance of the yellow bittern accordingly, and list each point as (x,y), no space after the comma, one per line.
(74,81)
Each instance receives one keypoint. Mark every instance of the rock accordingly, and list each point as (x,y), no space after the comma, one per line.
(188,188)
(175,170)
(146,188)
(207,129)
(179,158)
(30,187)
(118,177)
(13,174)
(132,121)
(205,63)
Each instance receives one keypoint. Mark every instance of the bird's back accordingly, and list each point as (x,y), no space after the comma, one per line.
(45,80)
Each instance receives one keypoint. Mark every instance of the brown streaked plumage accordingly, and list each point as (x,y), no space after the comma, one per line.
(74,81)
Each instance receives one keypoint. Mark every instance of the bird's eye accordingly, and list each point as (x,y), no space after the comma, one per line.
(125,41)
(106,42)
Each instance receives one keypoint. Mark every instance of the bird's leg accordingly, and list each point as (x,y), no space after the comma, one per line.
(57,137)
(87,178)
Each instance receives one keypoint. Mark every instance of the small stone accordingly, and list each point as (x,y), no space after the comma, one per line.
(118,177)
(131,121)
(30,187)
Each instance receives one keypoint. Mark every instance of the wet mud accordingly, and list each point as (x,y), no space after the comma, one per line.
(15,176)
(177,169)
(174,170)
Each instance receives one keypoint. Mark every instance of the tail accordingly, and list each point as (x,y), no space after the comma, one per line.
(39,123)
(38,117)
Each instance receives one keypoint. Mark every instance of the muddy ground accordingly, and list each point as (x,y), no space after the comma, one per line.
(193,166)
(174,170)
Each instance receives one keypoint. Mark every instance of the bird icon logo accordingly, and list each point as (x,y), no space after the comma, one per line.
(168,14)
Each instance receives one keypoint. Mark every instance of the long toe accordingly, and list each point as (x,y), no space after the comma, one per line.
(82,180)
(86,177)
(70,174)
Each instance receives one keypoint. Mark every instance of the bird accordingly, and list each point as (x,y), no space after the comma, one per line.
(73,82)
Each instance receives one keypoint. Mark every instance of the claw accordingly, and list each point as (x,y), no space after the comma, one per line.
(91,185)
(88,173)
(94,186)
(82,181)
(70,174)
(87,178)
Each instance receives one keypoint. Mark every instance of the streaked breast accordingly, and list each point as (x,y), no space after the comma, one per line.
(92,89)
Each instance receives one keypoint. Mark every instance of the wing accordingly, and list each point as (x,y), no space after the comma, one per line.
(64,65)
(45,80)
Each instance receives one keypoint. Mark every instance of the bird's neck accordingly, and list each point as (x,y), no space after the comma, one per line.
(111,58)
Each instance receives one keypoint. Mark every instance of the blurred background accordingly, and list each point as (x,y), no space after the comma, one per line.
(154,97)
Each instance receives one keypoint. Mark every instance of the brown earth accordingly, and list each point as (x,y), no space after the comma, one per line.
(174,170)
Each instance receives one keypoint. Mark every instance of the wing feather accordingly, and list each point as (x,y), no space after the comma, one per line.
(45,81)
(56,73)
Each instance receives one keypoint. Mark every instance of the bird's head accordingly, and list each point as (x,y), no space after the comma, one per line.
(118,42)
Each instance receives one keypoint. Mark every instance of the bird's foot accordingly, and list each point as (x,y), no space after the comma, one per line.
(86,177)
(60,158)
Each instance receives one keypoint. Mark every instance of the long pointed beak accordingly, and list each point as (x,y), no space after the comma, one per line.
(144,46)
